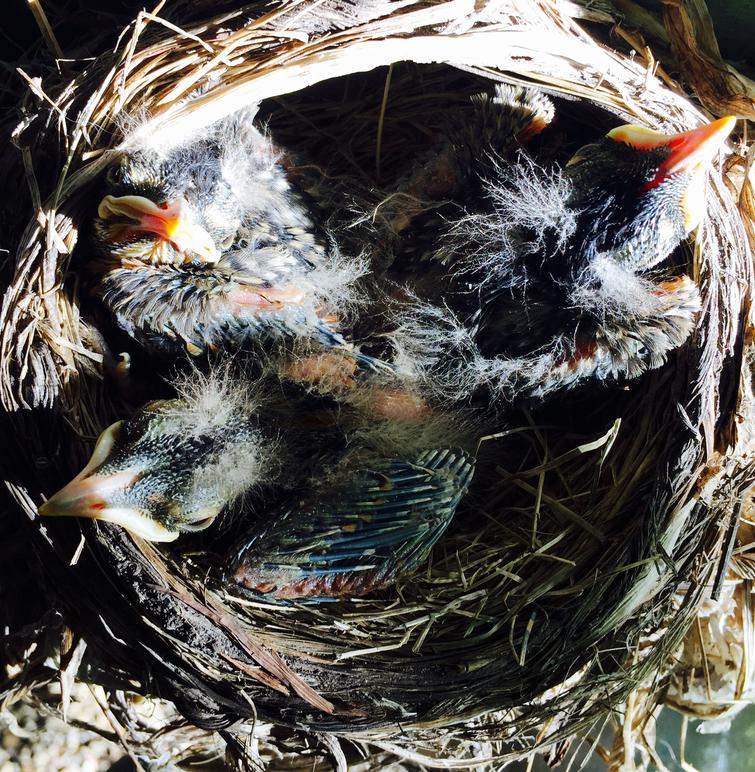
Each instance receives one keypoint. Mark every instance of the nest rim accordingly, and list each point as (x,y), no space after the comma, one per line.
(687,502)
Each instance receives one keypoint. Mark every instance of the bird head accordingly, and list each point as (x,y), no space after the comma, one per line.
(640,192)
(165,471)
(171,209)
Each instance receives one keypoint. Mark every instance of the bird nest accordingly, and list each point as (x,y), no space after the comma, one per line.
(556,595)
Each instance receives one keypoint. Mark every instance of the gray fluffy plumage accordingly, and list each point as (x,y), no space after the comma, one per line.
(278,275)
(523,303)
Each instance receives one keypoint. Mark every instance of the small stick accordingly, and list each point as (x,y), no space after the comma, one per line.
(729,542)
(117,728)
(44,27)
(381,120)
(706,669)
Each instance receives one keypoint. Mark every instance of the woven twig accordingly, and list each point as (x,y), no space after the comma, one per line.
(522,631)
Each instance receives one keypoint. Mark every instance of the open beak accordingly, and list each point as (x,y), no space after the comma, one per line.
(689,150)
(696,148)
(169,221)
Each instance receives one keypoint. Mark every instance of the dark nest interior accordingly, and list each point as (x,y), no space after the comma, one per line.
(555,592)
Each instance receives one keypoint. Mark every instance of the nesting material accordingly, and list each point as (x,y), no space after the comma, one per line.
(533,615)
(712,677)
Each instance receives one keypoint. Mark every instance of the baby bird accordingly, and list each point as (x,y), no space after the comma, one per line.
(206,244)
(383,476)
(334,500)
(552,275)
(174,466)
(452,171)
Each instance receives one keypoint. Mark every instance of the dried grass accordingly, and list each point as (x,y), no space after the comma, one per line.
(548,607)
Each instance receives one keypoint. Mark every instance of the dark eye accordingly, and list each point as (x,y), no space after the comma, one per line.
(583,154)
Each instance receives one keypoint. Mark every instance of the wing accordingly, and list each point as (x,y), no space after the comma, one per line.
(378,523)
(171,308)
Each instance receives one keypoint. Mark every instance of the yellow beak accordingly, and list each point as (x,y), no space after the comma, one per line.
(170,222)
(88,495)
(689,150)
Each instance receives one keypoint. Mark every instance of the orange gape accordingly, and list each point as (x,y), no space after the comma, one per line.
(688,150)
(168,221)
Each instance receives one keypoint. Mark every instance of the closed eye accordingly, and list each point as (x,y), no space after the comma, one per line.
(112,176)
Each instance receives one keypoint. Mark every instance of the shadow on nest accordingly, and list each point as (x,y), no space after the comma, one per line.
(533,616)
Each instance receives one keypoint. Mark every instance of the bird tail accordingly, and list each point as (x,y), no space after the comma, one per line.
(501,122)
(513,111)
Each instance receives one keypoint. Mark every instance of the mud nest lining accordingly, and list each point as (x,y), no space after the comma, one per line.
(555,595)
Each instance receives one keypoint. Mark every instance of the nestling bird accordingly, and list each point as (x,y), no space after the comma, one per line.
(551,275)
(206,244)
(382,490)
(354,495)
(173,466)
(453,171)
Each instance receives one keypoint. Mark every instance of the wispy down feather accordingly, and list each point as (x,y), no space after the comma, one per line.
(439,352)
(223,402)
(528,212)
